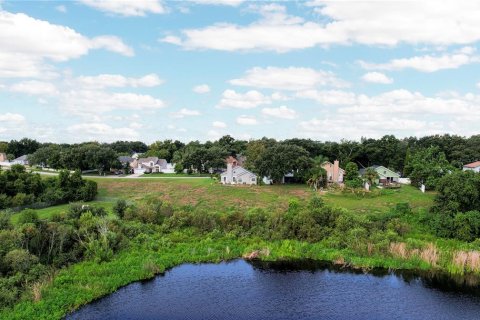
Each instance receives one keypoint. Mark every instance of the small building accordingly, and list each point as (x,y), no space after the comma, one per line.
(386,176)
(23,160)
(125,160)
(474,166)
(3,157)
(334,172)
(237,175)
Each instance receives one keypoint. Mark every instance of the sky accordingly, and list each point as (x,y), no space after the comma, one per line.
(151,70)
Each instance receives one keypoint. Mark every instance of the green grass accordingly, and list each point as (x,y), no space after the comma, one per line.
(47,213)
(177,175)
(385,199)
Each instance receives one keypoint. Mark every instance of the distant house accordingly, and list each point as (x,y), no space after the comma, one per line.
(238,161)
(151,165)
(474,166)
(125,160)
(237,175)
(3,157)
(23,160)
(334,172)
(386,176)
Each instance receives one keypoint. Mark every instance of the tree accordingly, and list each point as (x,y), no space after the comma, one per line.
(458,192)
(370,175)
(23,147)
(317,178)
(427,166)
(276,161)
(178,168)
(352,178)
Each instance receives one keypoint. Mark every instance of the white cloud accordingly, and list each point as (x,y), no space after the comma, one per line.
(201,89)
(247,120)
(250,99)
(61,8)
(344,22)
(137,8)
(88,102)
(328,97)
(427,63)
(403,112)
(282,112)
(291,78)
(34,87)
(15,118)
(219,124)
(28,44)
(213,134)
(101,132)
(233,3)
(118,81)
(377,77)
(182,113)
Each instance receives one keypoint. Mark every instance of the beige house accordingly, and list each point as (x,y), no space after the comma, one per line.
(151,165)
(3,157)
(334,172)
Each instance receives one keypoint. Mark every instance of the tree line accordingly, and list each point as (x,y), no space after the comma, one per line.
(424,159)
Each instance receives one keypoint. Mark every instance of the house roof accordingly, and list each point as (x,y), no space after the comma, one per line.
(472,165)
(242,169)
(124,159)
(379,170)
(22,158)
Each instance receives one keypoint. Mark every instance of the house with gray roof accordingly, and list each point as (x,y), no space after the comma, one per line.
(23,160)
(386,176)
(151,165)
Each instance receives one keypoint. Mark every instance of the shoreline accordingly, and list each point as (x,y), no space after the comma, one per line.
(88,281)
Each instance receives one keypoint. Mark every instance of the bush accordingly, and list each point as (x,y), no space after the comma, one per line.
(28,216)
(178,168)
(20,260)
(119,208)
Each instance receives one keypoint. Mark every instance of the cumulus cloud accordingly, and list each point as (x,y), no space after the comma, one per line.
(119,81)
(383,23)
(182,113)
(427,63)
(34,87)
(376,77)
(247,120)
(201,89)
(250,99)
(101,131)
(28,44)
(403,112)
(232,3)
(291,78)
(88,102)
(328,97)
(61,8)
(12,125)
(282,112)
(137,8)
(219,124)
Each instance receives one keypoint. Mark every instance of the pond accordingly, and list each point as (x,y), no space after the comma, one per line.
(295,290)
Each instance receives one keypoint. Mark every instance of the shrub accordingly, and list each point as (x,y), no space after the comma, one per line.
(20,260)
(120,207)
(28,216)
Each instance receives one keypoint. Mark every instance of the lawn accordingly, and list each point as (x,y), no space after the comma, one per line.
(177,175)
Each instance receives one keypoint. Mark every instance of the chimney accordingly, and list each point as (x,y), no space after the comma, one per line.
(229,173)
(336,171)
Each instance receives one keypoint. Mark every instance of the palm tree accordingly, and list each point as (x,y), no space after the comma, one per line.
(318,178)
(370,175)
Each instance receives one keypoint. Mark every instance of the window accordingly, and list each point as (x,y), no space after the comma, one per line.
(253,179)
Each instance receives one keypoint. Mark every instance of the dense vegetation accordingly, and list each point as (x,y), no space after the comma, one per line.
(424,159)
(56,259)
(20,188)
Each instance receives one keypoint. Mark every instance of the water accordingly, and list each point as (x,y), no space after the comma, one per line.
(307,290)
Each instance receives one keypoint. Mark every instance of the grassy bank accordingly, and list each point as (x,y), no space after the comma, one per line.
(84,282)
(196,220)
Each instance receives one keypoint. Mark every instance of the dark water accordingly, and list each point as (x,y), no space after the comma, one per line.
(307,290)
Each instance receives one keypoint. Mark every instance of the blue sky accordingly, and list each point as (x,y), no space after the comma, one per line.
(196,70)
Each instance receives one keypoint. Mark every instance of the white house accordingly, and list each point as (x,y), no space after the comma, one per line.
(151,165)
(237,175)
(23,160)
(474,166)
